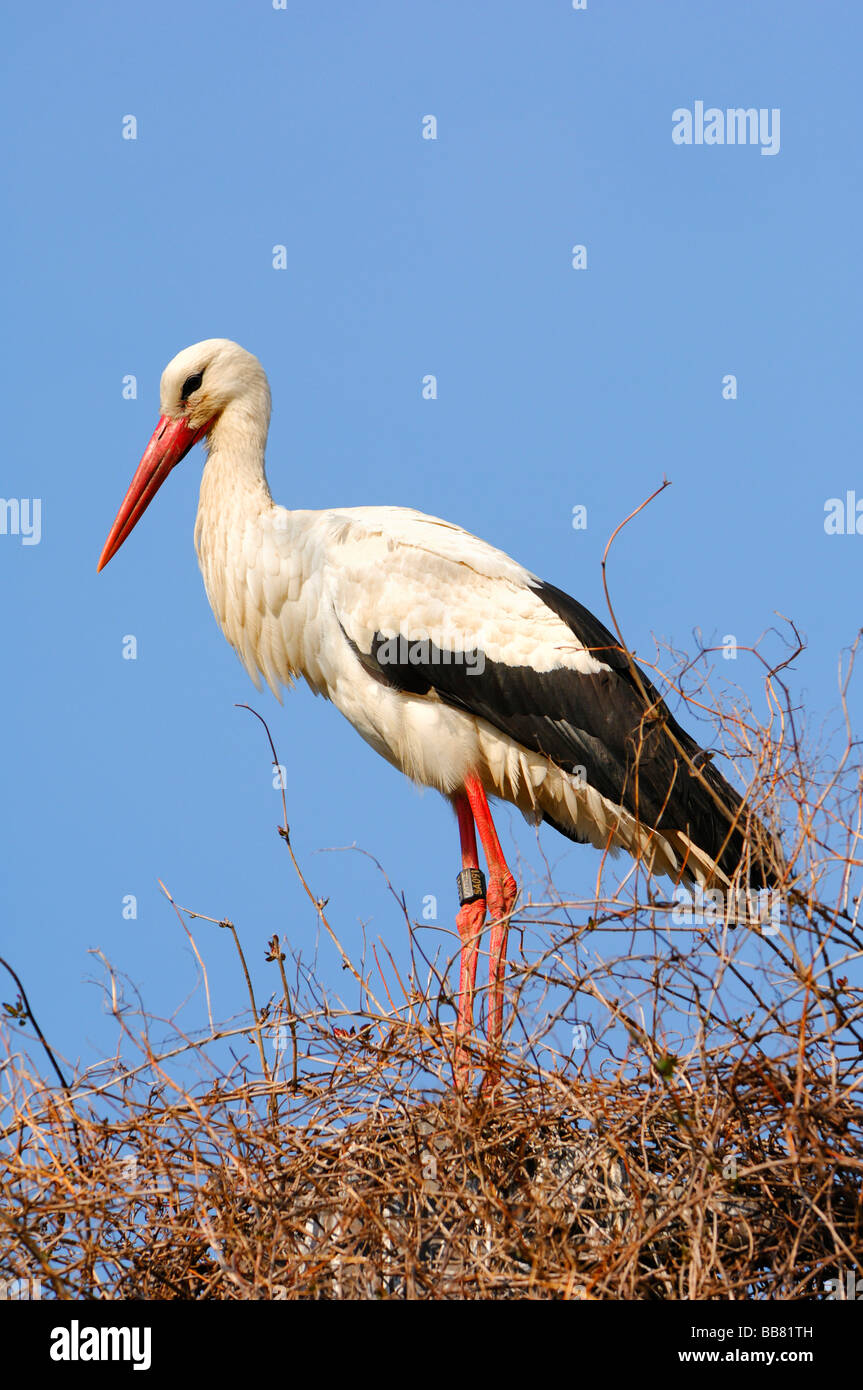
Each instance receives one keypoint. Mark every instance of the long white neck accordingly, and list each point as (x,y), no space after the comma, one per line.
(234,502)
(234,487)
(236,446)
(255,557)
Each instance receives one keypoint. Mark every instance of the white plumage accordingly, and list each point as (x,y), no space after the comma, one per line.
(288,588)
(453,661)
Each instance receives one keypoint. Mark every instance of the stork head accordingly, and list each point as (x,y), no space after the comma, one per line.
(202,380)
(198,386)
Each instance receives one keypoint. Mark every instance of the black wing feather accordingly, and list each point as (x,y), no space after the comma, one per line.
(599,723)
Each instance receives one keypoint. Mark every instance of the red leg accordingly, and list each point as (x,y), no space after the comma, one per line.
(501,901)
(470,919)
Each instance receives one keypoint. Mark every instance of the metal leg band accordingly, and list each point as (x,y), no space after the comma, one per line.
(471,886)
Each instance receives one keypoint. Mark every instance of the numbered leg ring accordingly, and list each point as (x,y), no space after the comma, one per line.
(471,886)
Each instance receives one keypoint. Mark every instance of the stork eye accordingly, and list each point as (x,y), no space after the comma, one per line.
(191,384)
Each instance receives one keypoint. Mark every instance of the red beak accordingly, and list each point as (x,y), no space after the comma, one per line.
(171,441)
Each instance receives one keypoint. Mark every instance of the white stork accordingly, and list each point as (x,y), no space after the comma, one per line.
(456,664)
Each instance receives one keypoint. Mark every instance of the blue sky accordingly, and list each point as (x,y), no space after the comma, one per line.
(557,387)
